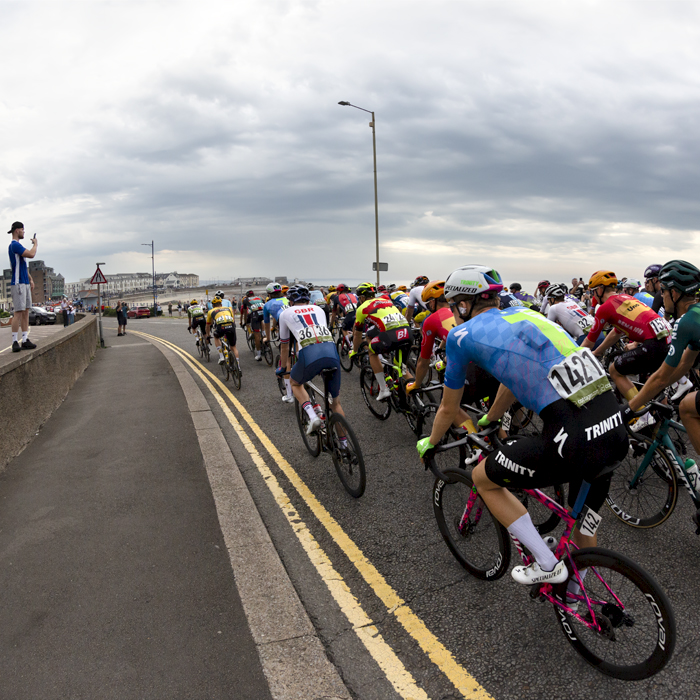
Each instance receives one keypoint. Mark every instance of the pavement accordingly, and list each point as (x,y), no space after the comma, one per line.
(36,335)
(134,563)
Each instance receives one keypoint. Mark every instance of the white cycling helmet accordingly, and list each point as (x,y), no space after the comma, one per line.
(274,287)
(470,280)
(556,291)
(631,283)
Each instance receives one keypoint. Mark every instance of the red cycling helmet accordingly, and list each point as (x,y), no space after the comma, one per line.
(250,293)
(341,288)
(543,285)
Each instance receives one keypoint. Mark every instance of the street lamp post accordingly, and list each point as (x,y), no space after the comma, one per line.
(153,265)
(99,308)
(376,201)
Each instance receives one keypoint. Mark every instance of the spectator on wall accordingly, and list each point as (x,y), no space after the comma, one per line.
(22,285)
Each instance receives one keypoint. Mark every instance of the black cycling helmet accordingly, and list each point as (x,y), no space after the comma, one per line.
(516,287)
(680,275)
(420,280)
(652,271)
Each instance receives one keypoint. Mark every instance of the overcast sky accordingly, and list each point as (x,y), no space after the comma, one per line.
(548,139)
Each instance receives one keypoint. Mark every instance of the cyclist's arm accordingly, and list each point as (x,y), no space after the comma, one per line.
(421,370)
(446,414)
(503,401)
(356,340)
(663,377)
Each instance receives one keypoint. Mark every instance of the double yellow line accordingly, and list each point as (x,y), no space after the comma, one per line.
(391,665)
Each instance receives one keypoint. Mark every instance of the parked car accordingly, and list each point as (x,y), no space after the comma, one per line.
(139,312)
(40,317)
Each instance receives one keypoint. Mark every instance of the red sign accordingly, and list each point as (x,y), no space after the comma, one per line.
(98,277)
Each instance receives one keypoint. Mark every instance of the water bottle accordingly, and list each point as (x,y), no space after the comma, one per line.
(693,474)
(319,411)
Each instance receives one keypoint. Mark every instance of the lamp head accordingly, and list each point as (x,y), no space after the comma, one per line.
(345,104)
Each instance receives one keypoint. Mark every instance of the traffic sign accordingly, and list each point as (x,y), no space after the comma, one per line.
(383,267)
(98,277)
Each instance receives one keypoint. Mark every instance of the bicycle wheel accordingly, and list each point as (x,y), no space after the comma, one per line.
(344,354)
(476,539)
(200,342)
(207,350)
(267,353)
(280,380)
(634,633)
(235,370)
(652,499)
(369,386)
(347,459)
(250,339)
(224,365)
(523,421)
(312,442)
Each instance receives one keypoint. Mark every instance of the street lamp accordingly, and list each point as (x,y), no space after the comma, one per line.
(153,263)
(376,205)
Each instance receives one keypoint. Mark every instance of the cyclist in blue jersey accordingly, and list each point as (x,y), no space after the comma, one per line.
(633,287)
(539,365)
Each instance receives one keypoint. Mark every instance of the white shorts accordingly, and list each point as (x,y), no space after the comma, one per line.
(21,297)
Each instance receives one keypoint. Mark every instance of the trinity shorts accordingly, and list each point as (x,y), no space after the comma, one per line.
(575,444)
(21,296)
(228,331)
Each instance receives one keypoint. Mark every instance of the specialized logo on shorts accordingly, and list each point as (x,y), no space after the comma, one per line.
(512,466)
(560,439)
(604,426)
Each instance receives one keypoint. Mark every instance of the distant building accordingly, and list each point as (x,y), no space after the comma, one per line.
(281,280)
(128,282)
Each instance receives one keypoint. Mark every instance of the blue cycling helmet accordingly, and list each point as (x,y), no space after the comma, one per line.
(298,293)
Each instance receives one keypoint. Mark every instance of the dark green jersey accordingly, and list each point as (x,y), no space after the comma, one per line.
(686,334)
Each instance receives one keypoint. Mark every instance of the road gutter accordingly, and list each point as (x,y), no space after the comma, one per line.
(292,656)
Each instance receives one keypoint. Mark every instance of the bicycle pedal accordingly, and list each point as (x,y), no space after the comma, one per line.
(536,592)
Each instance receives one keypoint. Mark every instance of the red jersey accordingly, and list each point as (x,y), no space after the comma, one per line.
(630,316)
(435,327)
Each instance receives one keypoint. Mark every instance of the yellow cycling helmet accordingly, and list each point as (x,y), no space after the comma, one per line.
(402,287)
(433,290)
(194,302)
(602,277)
(216,301)
(331,288)
(419,318)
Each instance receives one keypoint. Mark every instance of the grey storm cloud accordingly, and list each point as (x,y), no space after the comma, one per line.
(541,127)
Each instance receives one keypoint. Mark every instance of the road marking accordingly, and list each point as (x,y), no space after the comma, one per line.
(369,635)
(463,681)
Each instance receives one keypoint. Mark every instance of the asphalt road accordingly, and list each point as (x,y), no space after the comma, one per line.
(512,646)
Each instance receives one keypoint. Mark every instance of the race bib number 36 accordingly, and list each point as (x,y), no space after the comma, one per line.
(314,334)
(579,378)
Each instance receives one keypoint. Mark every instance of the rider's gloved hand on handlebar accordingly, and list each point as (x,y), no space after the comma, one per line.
(280,371)
(411,386)
(424,446)
(628,415)
(484,422)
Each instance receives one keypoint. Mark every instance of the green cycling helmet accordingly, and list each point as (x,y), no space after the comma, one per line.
(680,275)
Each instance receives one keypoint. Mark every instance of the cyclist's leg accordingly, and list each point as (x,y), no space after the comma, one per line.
(690,416)
(231,337)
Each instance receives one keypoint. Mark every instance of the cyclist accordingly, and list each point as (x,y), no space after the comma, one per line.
(317,351)
(508,299)
(567,313)
(399,298)
(679,280)
(516,289)
(343,302)
(224,302)
(271,313)
(252,312)
(653,287)
(530,356)
(415,303)
(650,335)
(220,319)
(196,318)
(387,330)
(435,328)
(320,301)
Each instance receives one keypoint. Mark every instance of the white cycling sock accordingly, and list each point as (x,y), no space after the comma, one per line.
(525,531)
(310,411)
(288,384)
(15,337)
(25,335)
(380,380)
(221,352)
